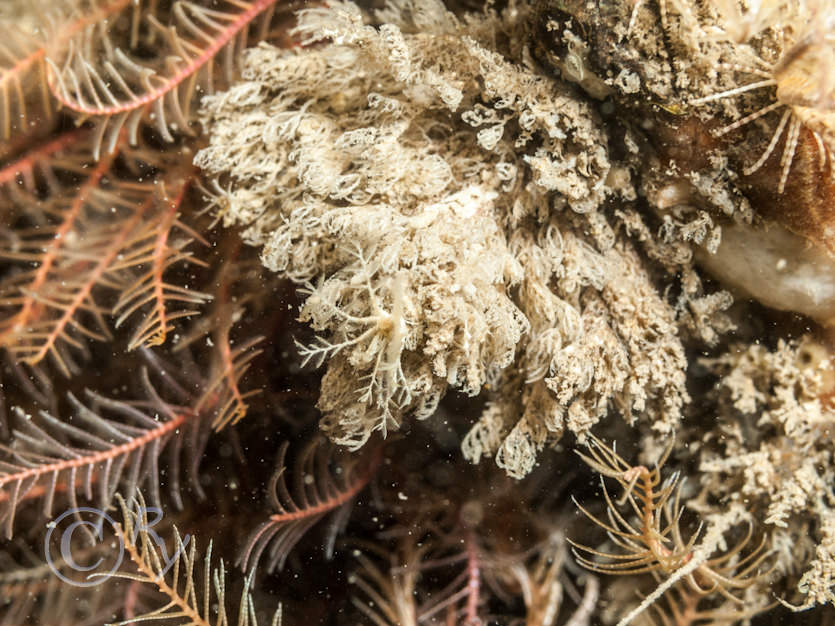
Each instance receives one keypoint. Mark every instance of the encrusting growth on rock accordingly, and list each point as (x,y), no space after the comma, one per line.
(441,205)
(461,200)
